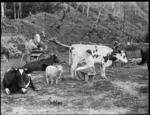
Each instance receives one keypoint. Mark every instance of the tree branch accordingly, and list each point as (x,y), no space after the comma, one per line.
(64,14)
(54,39)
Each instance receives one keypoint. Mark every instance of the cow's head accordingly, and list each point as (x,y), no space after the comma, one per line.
(55,58)
(121,56)
(20,78)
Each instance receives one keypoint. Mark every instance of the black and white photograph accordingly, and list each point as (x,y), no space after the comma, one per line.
(75,57)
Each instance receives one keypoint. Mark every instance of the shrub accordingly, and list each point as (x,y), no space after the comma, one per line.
(132,47)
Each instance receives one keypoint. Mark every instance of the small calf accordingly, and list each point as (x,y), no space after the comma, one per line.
(53,72)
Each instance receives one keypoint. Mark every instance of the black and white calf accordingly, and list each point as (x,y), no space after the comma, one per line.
(16,80)
(101,54)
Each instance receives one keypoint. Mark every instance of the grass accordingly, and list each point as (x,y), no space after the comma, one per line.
(124,92)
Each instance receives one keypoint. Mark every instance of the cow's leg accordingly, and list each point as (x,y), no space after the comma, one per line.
(122,64)
(7,91)
(93,79)
(103,72)
(73,67)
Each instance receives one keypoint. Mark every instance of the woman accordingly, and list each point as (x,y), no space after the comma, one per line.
(82,72)
(34,43)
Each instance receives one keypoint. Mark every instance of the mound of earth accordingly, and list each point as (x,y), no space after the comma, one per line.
(74,28)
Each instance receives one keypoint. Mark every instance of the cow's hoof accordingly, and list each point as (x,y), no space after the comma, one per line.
(7,91)
(24,91)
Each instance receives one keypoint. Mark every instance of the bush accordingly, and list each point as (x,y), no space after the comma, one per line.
(9,13)
(33,7)
(132,47)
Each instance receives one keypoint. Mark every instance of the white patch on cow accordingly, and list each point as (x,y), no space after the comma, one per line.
(21,71)
(27,84)
(122,57)
(7,91)
(23,90)
(29,75)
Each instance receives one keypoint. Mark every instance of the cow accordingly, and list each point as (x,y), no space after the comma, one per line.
(5,51)
(103,55)
(40,65)
(16,80)
(145,57)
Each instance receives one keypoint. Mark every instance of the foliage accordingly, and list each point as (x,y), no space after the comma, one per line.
(132,47)
(76,26)
(33,8)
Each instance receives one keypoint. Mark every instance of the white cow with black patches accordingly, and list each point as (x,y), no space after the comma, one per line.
(103,55)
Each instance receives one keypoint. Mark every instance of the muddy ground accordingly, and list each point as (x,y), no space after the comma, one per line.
(124,92)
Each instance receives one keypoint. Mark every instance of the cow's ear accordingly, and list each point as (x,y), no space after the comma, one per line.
(26,69)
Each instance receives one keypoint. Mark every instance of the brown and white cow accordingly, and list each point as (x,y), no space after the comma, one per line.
(103,55)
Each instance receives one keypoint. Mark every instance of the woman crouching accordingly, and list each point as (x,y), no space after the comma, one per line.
(87,70)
